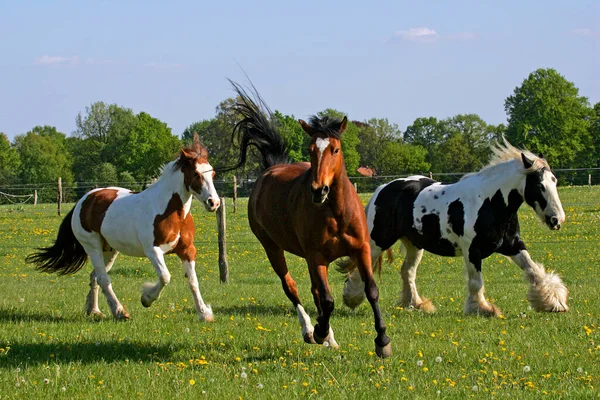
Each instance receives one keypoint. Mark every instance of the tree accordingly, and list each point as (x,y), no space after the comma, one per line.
(595,135)
(43,155)
(547,115)
(296,140)
(374,135)
(9,161)
(399,158)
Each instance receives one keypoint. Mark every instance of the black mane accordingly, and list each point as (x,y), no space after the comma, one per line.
(328,125)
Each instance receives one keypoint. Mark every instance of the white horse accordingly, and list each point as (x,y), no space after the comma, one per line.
(152,223)
(472,218)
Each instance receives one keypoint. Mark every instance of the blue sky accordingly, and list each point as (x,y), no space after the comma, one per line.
(394,59)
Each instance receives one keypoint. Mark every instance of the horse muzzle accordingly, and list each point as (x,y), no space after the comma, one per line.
(319,194)
(553,222)
(211,204)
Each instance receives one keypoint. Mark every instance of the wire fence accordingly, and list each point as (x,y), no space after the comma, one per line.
(47,192)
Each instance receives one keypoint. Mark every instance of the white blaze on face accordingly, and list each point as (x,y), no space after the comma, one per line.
(322,145)
(554,204)
(208,187)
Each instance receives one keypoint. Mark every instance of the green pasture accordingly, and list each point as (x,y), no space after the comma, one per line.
(254,350)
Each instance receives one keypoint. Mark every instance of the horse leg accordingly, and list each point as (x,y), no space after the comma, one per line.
(409,297)
(354,288)
(188,258)
(151,292)
(324,302)
(91,305)
(117,309)
(476,302)
(383,347)
(547,292)
(277,260)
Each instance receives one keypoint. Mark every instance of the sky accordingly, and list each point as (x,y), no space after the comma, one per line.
(387,59)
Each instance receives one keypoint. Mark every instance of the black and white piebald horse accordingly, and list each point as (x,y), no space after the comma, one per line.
(473,218)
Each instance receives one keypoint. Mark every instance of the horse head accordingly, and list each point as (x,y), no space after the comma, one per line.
(540,191)
(326,158)
(198,174)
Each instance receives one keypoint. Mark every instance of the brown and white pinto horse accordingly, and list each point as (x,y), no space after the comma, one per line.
(307,209)
(155,222)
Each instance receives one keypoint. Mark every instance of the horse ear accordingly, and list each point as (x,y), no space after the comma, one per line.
(186,153)
(343,125)
(527,163)
(307,128)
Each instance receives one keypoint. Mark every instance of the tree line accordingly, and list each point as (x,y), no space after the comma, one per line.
(545,114)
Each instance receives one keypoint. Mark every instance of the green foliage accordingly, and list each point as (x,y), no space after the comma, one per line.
(43,156)
(106,175)
(9,161)
(138,144)
(127,180)
(547,115)
(400,159)
(374,135)
(296,139)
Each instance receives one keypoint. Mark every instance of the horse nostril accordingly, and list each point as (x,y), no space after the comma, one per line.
(325,189)
(554,221)
(210,202)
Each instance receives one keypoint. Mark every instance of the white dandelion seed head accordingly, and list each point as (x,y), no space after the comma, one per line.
(259,386)
(526,368)
(46,381)
(204,392)
(475,388)
(18,384)
(243,375)
(420,363)
(438,359)
(22,300)
(325,344)
(580,370)
(187,330)
(18,369)
(63,389)
(439,392)
(243,368)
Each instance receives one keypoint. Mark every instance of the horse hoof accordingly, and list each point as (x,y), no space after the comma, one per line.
(308,338)
(96,314)
(384,351)
(426,306)
(318,338)
(122,315)
(146,302)
(207,318)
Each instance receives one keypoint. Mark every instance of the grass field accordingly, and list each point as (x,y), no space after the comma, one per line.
(50,349)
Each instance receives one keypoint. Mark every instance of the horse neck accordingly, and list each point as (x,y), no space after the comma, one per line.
(170,182)
(339,189)
(505,176)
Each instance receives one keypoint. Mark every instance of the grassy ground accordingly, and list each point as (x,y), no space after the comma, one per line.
(50,349)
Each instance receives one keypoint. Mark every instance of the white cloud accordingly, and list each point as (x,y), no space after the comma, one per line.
(56,60)
(586,32)
(420,34)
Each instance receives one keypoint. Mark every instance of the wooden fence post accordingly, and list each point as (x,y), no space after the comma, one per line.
(222,226)
(59,196)
(589,179)
(430,175)
(356,187)
(234,194)
(35,197)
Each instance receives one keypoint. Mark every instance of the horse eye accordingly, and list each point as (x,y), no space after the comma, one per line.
(336,151)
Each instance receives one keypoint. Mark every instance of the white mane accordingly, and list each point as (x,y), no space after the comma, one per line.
(506,152)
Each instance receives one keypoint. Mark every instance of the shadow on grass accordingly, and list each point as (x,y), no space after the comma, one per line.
(286,310)
(15,315)
(86,353)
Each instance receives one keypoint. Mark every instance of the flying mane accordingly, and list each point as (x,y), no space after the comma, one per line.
(506,152)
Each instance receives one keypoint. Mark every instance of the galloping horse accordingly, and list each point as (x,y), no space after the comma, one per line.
(307,209)
(151,223)
(474,217)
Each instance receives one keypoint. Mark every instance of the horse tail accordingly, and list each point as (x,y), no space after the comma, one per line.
(257,128)
(65,256)
(345,265)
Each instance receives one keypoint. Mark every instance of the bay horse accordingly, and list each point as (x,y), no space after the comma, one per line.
(472,218)
(308,209)
(152,223)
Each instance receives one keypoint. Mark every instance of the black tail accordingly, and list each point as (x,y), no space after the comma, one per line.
(258,129)
(66,256)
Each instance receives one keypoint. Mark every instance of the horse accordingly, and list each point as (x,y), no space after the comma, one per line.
(152,223)
(307,209)
(472,218)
